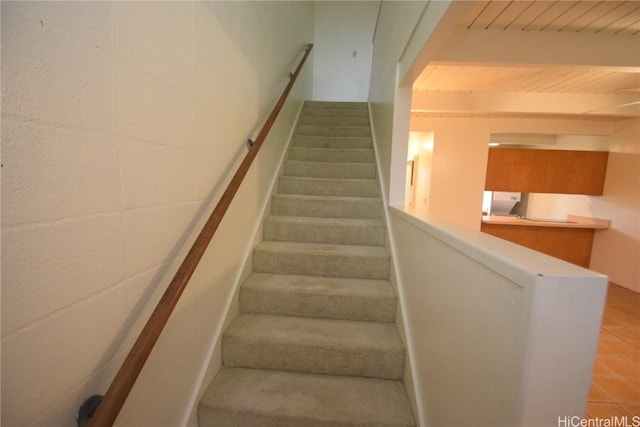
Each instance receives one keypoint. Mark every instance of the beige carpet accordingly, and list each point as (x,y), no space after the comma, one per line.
(315,343)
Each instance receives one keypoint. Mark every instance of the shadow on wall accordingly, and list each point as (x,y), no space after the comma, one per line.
(247,45)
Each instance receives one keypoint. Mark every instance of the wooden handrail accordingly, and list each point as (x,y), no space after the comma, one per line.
(124,380)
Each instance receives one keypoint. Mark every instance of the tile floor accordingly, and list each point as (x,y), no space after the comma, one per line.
(615,385)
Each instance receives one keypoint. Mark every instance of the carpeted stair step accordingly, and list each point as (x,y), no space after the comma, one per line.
(321,346)
(327,112)
(330,170)
(326,206)
(337,231)
(323,297)
(335,105)
(341,121)
(333,130)
(331,155)
(321,259)
(253,397)
(332,142)
(328,186)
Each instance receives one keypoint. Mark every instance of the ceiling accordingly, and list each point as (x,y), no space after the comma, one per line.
(618,87)
(495,78)
(618,17)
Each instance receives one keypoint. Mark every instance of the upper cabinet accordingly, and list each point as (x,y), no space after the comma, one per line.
(546,171)
(515,170)
(575,172)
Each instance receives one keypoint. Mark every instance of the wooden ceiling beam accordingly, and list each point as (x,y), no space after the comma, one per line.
(618,52)
(529,103)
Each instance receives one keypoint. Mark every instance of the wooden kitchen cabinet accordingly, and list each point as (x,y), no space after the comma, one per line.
(570,244)
(546,171)
(575,172)
(515,170)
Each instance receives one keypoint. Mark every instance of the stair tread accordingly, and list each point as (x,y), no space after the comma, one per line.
(305,168)
(327,112)
(352,222)
(320,297)
(327,199)
(314,332)
(306,205)
(339,286)
(328,180)
(304,126)
(342,164)
(323,249)
(308,117)
(289,398)
(336,105)
(333,125)
(329,186)
(332,155)
(319,130)
(337,110)
(324,150)
(327,137)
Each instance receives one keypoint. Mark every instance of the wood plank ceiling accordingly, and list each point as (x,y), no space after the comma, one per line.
(618,17)
(584,16)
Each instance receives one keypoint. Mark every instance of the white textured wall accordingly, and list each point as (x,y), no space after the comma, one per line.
(507,333)
(121,121)
(615,251)
(342,28)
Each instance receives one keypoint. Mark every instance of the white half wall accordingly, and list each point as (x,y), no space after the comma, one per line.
(507,333)
(122,123)
(343,37)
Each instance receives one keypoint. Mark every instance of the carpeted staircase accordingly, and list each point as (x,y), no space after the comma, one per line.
(315,343)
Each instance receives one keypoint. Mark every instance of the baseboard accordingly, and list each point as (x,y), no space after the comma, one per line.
(243,271)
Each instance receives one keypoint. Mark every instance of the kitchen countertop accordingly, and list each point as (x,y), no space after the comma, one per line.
(572,221)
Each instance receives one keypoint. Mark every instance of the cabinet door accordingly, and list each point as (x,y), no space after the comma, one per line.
(511,169)
(570,244)
(575,172)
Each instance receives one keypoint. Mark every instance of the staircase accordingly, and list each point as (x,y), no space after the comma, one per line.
(315,343)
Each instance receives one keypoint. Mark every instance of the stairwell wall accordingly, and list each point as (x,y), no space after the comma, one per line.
(395,25)
(343,34)
(121,125)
